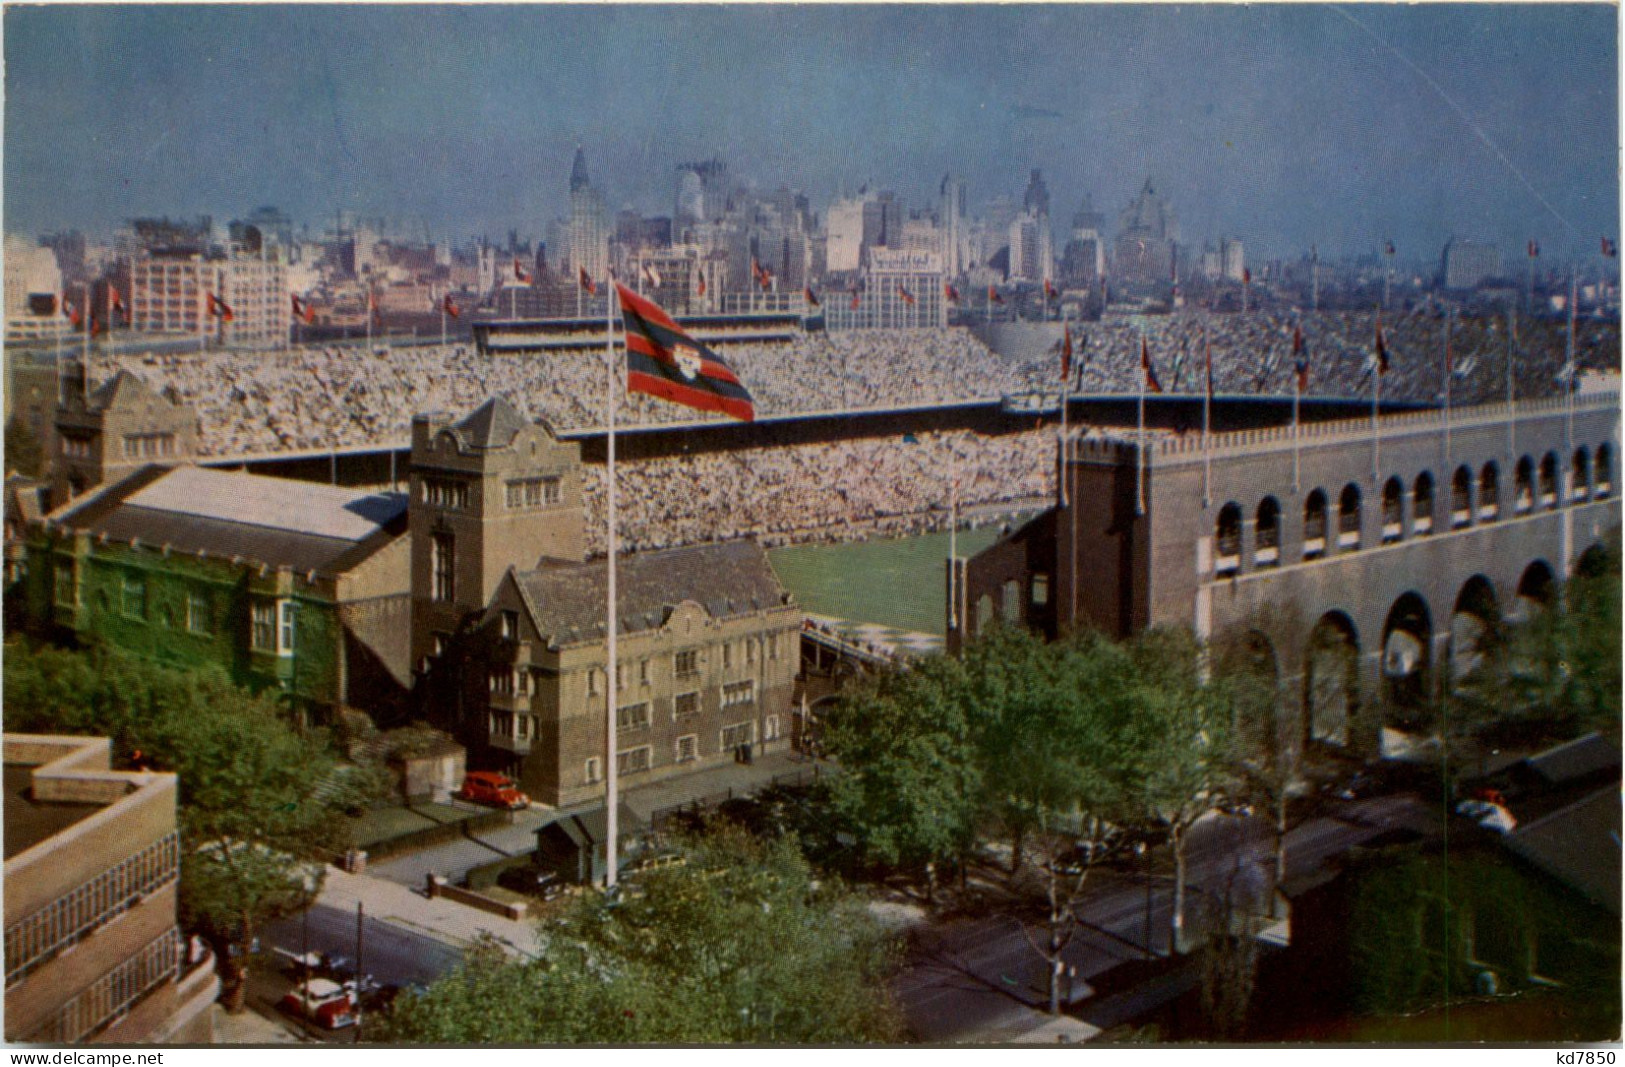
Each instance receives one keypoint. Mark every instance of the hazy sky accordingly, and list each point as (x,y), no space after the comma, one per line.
(1284,125)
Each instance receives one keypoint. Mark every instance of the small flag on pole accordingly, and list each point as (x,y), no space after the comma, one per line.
(1534,248)
(1151,383)
(302,309)
(651,275)
(222,310)
(906,296)
(1049,290)
(586,281)
(1388,248)
(115,302)
(810,296)
(521,275)
(854,296)
(993,296)
(71,310)
(1246,276)
(1207,356)
(1379,362)
(949,293)
(700,288)
(663,361)
(1609,248)
(450,307)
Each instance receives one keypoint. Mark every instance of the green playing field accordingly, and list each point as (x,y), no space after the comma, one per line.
(897,582)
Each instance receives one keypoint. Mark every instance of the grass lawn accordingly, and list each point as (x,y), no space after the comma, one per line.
(899,582)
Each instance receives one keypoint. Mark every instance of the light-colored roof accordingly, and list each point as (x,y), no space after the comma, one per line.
(274,503)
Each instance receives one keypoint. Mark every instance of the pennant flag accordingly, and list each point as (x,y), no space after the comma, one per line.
(663,361)
(993,296)
(302,309)
(97,326)
(115,302)
(1314,254)
(1388,248)
(906,296)
(1151,383)
(1300,359)
(586,281)
(450,307)
(1609,248)
(71,310)
(1246,276)
(651,275)
(1534,248)
(1049,290)
(811,297)
(1566,374)
(521,275)
(1066,352)
(1380,362)
(219,308)
(855,296)
(764,277)
(700,288)
(949,293)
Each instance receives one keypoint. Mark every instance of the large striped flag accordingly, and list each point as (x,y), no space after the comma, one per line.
(663,361)
(1151,383)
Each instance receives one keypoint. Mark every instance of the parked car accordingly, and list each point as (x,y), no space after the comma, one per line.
(496,790)
(532,881)
(321,1001)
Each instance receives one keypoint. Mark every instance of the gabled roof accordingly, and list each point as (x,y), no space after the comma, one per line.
(123,390)
(566,601)
(494,425)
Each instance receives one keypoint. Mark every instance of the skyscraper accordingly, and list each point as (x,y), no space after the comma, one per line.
(589,224)
(1147,231)
(952,210)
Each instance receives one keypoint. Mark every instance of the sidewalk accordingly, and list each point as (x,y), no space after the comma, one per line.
(741,779)
(443,920)
(249,1027)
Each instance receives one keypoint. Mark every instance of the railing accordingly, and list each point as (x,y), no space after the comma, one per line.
(36,937)
(113,994)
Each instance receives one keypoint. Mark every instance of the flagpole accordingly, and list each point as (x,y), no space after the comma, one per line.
(1297,425)
(953,552)
(1066,379)
(611,770)
(1139,476)
(90,318)
(1376,426)
(1207,423)
(1570,385)
(1512,397)
(1449,384)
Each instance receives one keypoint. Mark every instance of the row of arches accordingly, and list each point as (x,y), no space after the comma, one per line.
(1475,499)
(1416,653)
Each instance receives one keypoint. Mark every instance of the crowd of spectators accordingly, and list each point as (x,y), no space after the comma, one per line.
(836,491)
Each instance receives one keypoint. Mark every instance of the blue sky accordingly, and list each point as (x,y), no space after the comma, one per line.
(1285,125)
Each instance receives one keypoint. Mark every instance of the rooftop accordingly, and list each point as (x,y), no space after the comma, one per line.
(29,821)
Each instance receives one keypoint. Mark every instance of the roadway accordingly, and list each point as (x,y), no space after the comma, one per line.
(981,976)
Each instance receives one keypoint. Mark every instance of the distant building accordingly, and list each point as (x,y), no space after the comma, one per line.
(1083,261)
(589,224)
(93,952)
(951,214)
(844,225)
(702,192)
(106,433)
(1147,232)
(170,294)
(33,284)
(1232,259)
(1468,263)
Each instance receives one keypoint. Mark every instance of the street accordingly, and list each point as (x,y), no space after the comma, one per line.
(970,976)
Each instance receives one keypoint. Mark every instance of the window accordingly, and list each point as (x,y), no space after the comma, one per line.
(1422,504)
(737,693)
(594,771)
(1348,517)
(135,596)
(632,717)
(687,663)
(1040,590)
(76,447)
(1605,470)
(773,646)
(524,726)
(510,626)
(1314,525)
(1582,474)
(727,655)
(1267,533)
(685,706)
(770,730)
(750,650)
(737,735)
(1489,493)
(533,493)
(1461,497)
(633,760)
(1227,540)
(197,612)
(264,631)
(443,493)
(442,566)
(67,591)
(643,671)
(1523,486)
(1548,481)
(149,445)
(502,683)
(592,681)
(289,612)
(688,748)
(620,677)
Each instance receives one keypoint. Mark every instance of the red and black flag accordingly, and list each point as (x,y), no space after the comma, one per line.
(810,297)
(663,361)
(1066,352)
(71,310)
(1049,290)
(1534,248)
(520,274)
(1152,385)
(302,309)
(1246,276)
(993,296)
(1388,248)
(1380,361)
(1609,248)
(586,281)
(856,296)
(949,293)
(906,296)
(219,308)
(700,288)
(1300,359)
(97,326)
(450,307)
(764,277)
(115,303)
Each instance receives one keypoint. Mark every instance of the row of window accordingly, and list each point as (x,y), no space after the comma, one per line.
(687,664)
(534,493)
(149,445)
(685,749)
(1533,488)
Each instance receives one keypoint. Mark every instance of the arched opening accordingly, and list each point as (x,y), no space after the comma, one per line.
(1582,474)
(1489,493)
(1593,563)
(1248,665)
(1461,497)
(1314,525)
(1548,481)
(1393,510)
(1605,470)
(1422,504)
(1227,540)
(1523,487)
(1331,679)
(1348,518)
(1010,602)
(1267,533)
(984,613)
(1406,637)
(1474,629)
(1536,589)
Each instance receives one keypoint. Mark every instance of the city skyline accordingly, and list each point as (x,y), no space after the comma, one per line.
(466,119)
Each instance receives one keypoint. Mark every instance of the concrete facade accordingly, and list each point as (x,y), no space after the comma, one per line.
(1335,536)
(93,953)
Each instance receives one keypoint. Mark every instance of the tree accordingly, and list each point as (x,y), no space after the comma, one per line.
(738,944)
(1174,744)
(259,802)
(910,787)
